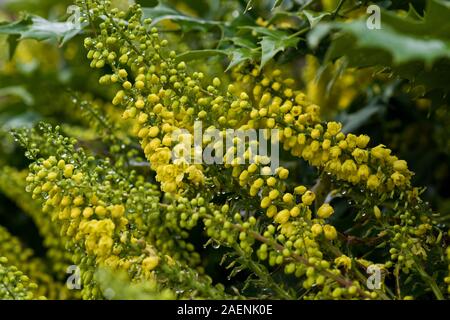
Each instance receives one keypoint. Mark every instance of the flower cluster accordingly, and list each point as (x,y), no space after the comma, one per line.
(163,97)
(12,183)
(123,220)
(15,285)
(33,267)
(107,219)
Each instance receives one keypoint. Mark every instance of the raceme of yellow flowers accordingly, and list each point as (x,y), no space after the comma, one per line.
(15,284)
(12,183)
(162,97)
(21,257)
(111,218)
(88,223)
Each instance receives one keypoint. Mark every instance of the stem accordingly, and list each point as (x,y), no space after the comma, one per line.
(342,281)
(300,32)
(336,252)
(397,281)
(429,280)
(338,8)
(263,275)
(9,291)
(307,4)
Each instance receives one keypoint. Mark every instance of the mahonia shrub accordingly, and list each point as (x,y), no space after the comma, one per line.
(340,217)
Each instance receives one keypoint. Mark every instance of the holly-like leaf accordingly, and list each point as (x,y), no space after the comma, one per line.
(34,27)
(410,45)
(270,46)
(240,55)
(248,7)
(235,55)
(400,47)
(200,54)
(316,35)
(264,31)
(163,12)
(18,91)
(277,4)
(314,17)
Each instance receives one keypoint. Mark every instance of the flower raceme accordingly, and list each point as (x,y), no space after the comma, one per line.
(15,284)
(90,225)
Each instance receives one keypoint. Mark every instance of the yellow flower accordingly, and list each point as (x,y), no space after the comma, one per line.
(363,171)
(330,232)
(104,246)
(377,212)
(283,173)
(195,175)
(300,190)
(316,229)
(400,165)
(360,155)
(348,167)
(373,182)
(333,128)
(271,211)
(150,263)
(282,216)
(325,211)
(308,198)
(265,202)
(362,141)
(344,261)
(398,178)
(380,152)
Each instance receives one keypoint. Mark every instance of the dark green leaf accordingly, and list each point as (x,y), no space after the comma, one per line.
(34,27)
(242,42)
(270,46)
(265,31)
(277,4)
(18,91)
(315,17)
(316,35)
(248,6)
(12,42)
(163,12)
(200,54)
(240,55)
(416,48)
(356,120)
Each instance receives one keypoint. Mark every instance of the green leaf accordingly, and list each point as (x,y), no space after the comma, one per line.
(242,42)
(15,121)
(357,119)
(12,42)
(200,54)
(18,91)
(314,17)
(265,31)
(270,46)
(163,12)
(316,35)
(412,13)
(240,55)
(417,49)
(248,7)
(236,55)
(401,47)
(277,4)
(34,27)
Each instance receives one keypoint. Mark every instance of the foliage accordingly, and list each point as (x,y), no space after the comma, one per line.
(103,194)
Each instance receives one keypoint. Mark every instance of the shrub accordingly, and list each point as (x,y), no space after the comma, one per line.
(340,217)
